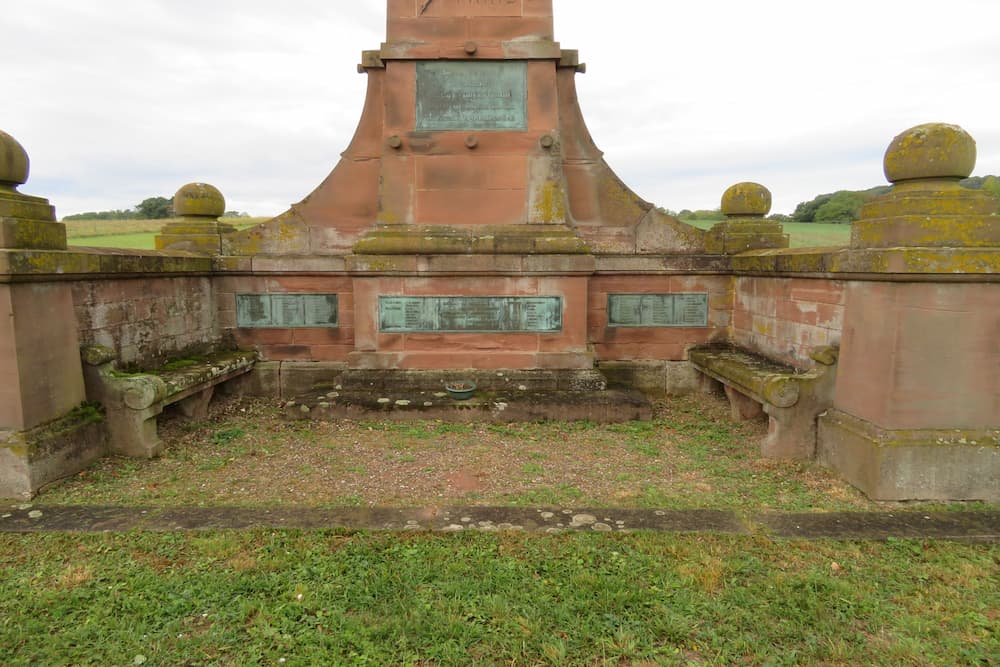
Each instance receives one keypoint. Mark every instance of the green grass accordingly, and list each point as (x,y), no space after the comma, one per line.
(135,234)
(803,234)
(274,597)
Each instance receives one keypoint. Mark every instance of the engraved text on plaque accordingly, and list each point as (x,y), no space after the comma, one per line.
(472,314)
(658,310)
(472,95)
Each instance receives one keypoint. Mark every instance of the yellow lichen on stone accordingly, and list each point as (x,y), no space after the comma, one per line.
(746,199)
(932,150)
(550,203)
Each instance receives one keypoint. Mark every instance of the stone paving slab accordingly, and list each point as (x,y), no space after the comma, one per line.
(967,526)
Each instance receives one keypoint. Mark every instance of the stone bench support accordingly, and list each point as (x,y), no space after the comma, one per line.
(133,401)
(792,399)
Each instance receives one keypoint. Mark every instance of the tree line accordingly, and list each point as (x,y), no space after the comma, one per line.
(152,208)
(841,207)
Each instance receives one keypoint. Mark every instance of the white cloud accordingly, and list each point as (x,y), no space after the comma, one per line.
(124,99)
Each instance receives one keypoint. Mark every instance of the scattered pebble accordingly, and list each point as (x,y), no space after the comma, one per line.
(402,403)
(466,519)
(453,528)
(323,405)
(333,394)
(428,404)
(602,528)
(583,520)
(547,515)
(6,516)
(290,404)
(27,506)
(35,514)
(384,401)
(305,409)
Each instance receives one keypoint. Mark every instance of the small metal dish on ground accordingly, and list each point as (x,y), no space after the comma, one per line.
(461,390)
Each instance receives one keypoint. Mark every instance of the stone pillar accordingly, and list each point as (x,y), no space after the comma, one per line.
(917,406)
(745,205)
(41,377)
(199,206)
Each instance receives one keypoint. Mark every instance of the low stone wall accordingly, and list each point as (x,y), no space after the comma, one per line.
(786,318)
(146,320)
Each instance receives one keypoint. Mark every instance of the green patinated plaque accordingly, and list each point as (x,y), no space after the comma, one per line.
(257,311)
(470,314)
(472,95)
(658,310)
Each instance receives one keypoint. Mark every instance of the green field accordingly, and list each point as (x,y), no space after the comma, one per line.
(135,234)
(85,233)
(803,234)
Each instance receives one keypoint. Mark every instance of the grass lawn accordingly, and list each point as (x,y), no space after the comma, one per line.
(291,598)
(272,597)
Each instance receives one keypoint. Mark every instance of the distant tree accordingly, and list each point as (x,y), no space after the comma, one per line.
(780,217)
(806,211)
(235,214)
(155,208)
(842,207)
(702,214)
(991,184)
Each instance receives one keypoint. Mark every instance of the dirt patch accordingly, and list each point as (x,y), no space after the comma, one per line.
(690,455)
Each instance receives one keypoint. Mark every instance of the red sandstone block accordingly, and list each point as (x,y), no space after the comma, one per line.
(472,286)
(310,285)
(323,336)
(402,8)
(471,342)
(265,336)
(537,7)
(470,207)
(509,28)
(285,353)
(400,97)
(573,340)
(830,316)
(798,312)
(227,320)
(390,342)
(471,172)
(436,29)
(818,291)
(331,352)
(634,351)
(397,190)
(473,8)
(442,361)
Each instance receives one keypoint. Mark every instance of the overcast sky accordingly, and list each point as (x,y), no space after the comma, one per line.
(119,100)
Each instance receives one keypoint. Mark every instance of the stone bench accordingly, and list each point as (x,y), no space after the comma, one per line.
(791,398)
(134,400)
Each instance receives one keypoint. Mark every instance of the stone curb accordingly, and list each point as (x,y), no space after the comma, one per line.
(981,526)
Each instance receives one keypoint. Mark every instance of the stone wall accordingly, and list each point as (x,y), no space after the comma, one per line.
(785,318)
(146,320)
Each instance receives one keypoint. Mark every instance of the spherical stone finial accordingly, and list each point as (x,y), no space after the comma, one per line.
(932,150)
(14,164)
(199,199)
(746,199)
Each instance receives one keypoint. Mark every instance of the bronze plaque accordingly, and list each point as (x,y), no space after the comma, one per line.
(261,311)
(463,95)
(658,310)
(470,314)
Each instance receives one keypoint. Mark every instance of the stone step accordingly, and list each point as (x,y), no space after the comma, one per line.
(609,406)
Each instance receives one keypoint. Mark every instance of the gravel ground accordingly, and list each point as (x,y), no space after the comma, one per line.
(691,455)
